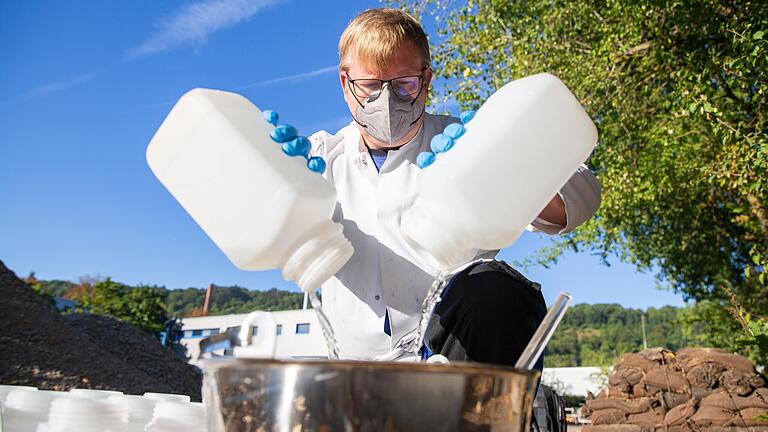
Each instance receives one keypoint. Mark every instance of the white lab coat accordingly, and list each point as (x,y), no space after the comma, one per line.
(385,273)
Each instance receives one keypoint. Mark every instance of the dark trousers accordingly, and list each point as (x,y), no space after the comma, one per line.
(487,314)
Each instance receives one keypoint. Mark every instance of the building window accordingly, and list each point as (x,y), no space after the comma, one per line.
(197,333)
(254,331)
(235,329)
(213,331)
(302,328)
(187,333)
(279,329)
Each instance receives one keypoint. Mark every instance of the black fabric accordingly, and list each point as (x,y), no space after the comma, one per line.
(487,314)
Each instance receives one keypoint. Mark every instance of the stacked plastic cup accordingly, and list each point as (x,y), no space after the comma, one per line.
(24,410)
(178,417)
(167,397)
(140,410)
(94,394)
(6,389)
(84,414)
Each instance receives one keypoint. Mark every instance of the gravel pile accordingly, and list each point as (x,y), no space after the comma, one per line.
(697,389)
(41,348)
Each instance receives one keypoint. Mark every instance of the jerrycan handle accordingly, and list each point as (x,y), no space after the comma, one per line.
(265,344)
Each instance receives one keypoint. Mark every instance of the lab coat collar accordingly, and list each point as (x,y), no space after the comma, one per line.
(395,157)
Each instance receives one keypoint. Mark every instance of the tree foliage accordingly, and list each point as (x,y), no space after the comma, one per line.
(231,300)
(678,91)
(595,335)
(142,306)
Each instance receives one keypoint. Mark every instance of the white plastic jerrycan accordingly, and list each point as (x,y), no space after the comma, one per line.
(262,208)
(521,147)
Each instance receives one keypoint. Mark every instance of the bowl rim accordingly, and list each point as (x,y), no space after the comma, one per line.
(469,368)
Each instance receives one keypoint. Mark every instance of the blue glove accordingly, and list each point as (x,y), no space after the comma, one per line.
(297,147)
(316,164)
(441,143)
(283,133)
(270,116)
(425,159)
(454,130)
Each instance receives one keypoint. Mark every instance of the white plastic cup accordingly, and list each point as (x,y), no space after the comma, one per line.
(520,148)
(94,394)
(85,414)
(167,397)
(140,410)
(261,207)
(178,417)
(6,389)
(24,410)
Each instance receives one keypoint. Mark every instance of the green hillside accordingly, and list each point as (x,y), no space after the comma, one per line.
(594,335)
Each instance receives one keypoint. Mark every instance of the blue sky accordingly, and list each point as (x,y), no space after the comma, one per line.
(85,84)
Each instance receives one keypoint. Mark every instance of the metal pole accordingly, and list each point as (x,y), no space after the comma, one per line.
(642,323)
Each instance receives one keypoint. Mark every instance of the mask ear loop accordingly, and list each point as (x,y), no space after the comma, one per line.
(349,85)
(424,108)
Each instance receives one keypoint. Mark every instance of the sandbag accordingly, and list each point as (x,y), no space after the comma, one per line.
(748,417)
(680,428)
(635,361)
(608,416)
(731,362)
(725,400)
(669,400)
(651,418)
(613,428)
(680,414)
(740,383)
(657,355)
(629,406)
(713,416)
(737,429)
(666,380)
(705,375)
(628,376)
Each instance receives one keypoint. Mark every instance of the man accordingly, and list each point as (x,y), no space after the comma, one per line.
(488,311)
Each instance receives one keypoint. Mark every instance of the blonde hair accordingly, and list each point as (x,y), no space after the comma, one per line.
(374,35)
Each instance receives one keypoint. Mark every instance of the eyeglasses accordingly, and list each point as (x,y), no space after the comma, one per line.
(405,87)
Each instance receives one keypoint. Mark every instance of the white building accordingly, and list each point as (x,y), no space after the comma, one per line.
(298,333)
(575,381)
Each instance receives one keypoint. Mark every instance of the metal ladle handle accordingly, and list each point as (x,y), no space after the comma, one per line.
(544,332)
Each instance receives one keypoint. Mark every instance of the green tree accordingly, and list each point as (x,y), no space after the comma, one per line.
(58,288)
(141,306)
(677,89)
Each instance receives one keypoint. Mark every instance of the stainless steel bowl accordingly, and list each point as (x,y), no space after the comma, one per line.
(318,395)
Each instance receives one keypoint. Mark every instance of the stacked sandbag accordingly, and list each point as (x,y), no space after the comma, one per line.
(697,389)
